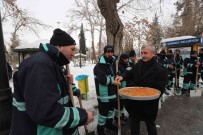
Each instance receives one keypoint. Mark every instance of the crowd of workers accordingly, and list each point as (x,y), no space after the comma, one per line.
(191,66)
(42,90)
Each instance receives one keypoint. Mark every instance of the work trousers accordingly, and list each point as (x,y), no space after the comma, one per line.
(178,75)
(105,117)
(135,126)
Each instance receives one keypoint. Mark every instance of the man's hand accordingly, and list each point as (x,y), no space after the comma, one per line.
(171,66)
(90,118)
(197,64)
(70,78)
(118,78)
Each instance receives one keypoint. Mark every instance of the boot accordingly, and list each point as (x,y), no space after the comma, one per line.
(109,125)
(100,130)
(122,121)
(124,118)
(183,92)
(165,92)
(168,88)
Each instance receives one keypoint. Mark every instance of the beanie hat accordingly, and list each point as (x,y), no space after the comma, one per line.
(61,38)
(193,52)
(163,52)
(170,51)
(132,53)
(108,48)
(177,50)
(201,49)
(123,56)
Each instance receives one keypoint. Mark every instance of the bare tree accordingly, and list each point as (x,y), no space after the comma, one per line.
(87,12)
(10,9)
(188,15)
(114,26)
(135,33)
(21,21)
(21,24)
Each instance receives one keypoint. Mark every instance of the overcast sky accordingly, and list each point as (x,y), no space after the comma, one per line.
(52,11)
(47,11)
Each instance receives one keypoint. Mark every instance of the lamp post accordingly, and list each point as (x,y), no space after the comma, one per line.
(79,37)
(5,90)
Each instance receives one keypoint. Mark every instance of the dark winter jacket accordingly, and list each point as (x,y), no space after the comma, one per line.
(146,74)
(131,63)
(189,66)
(178,62)
(9,69)
(41,103)
(104,73)
(163,61)
(201,66)
(170,59)
(122,66)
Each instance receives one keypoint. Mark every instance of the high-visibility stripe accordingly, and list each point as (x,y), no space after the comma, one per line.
(19,105)
(110,115)
(102,60)
(107,97)
(59,88)
(76,119)
(101,120)
(108,79)
(128,68)
(185,86)
(64,120)
(103,91)
(64,100)
(45,47)
(112,80)
(42,130)
(116,112)
(76,132)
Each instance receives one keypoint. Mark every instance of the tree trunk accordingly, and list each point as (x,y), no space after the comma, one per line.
(100,36)
(93,48)
(114,26)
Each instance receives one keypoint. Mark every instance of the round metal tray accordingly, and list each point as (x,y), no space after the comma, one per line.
(139,97)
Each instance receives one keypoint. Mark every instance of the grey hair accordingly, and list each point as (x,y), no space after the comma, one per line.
(150,46)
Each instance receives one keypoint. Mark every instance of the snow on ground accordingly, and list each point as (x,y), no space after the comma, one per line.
(91,102)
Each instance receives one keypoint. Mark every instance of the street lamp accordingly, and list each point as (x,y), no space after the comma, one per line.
(79,37)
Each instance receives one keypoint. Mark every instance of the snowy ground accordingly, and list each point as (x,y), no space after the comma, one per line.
(91,103)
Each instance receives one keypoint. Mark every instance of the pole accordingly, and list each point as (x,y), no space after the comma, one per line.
(118,98)
(5,90)
(80,59)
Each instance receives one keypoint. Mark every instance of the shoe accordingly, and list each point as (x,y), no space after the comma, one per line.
(124,118)
(123,123)
(168,88)
(165,92)
(112,127)
(100,133)
(183,92)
